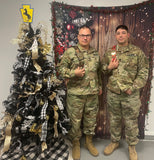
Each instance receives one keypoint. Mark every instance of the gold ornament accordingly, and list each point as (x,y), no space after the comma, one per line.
(18,118)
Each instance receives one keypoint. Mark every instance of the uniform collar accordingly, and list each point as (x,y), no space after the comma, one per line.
(123,48)
(84,50)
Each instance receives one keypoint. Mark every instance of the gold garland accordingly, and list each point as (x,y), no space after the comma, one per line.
(55,108)
(8,120)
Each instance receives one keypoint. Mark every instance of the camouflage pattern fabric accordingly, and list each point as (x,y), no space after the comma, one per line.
(126,107)
(82,107)
(82,93)
(132,72)
(90,60)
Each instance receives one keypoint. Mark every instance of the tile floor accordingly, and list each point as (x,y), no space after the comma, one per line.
(145,150)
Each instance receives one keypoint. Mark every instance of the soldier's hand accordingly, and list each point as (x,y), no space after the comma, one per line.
(80,72)
(113,64)
(129,92)
(100,92)
(66,81)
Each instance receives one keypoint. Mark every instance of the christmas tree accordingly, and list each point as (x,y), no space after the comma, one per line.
(35,115)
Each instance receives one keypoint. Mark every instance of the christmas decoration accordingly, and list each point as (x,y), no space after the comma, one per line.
(35,111)
(113,53)
(66,22)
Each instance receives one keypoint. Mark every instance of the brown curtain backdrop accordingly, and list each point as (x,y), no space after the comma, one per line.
(139,18)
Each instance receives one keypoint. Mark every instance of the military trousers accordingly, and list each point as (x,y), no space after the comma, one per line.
(82,108)
(124,108)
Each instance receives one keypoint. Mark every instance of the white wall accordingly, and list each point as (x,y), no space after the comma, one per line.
(149,123)
(10,18)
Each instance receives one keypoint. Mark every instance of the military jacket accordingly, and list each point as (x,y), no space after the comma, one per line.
(78,57)
(132,72)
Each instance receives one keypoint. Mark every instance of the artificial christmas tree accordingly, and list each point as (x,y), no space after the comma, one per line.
(35,115)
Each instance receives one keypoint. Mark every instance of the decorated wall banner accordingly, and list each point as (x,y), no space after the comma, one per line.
(66,20)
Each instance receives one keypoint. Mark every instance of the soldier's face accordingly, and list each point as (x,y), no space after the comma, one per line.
(84,37)
(122,37)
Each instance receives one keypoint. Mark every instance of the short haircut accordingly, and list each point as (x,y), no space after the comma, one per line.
(84,26)
(122,27)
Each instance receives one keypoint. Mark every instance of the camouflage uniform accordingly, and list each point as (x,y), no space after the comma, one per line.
(131,73)
(82,93)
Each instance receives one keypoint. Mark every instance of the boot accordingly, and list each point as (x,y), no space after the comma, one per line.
(111,147)
(89,145)
(76,150)
(132,153)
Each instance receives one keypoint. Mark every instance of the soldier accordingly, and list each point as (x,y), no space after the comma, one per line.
(79,67)
(128,67)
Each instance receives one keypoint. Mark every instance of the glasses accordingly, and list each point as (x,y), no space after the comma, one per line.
(83,35)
